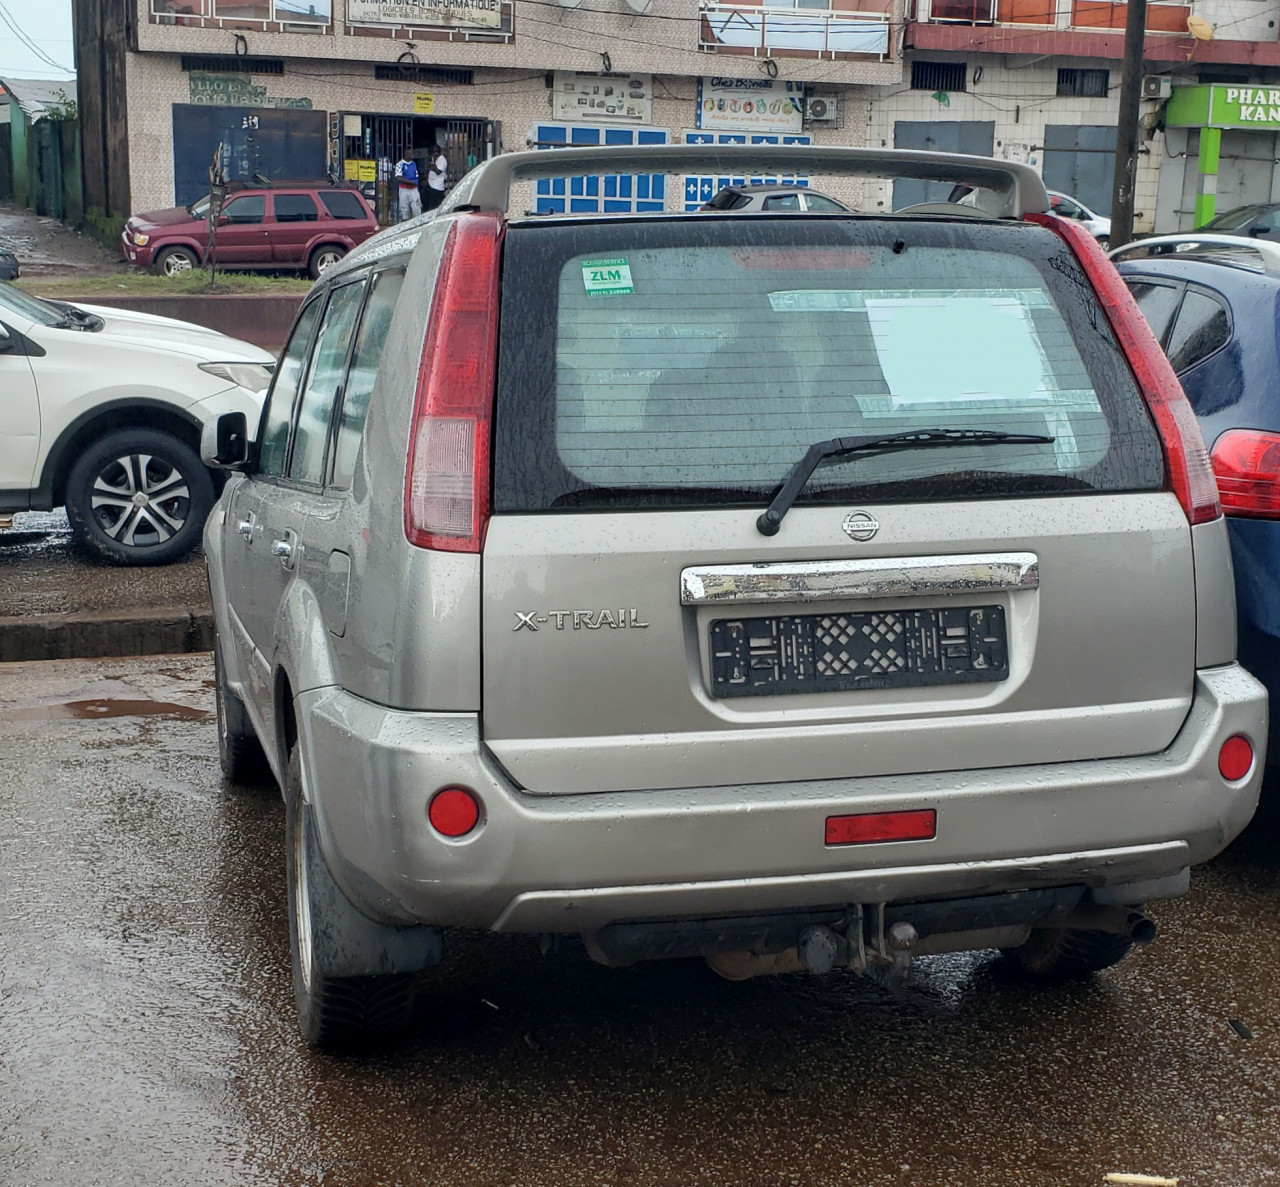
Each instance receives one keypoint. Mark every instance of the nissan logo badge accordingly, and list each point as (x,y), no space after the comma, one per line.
(858,525)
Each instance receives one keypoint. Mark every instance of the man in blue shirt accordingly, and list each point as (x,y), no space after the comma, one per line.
(408,199)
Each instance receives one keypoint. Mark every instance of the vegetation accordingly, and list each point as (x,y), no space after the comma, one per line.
(135,282)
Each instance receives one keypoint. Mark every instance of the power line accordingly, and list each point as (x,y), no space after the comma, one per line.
(26,41)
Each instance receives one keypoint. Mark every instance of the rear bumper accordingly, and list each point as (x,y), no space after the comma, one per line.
(575,863)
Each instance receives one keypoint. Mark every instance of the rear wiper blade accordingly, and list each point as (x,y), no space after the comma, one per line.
(820,451)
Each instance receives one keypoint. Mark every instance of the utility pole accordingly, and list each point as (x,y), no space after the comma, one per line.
(1135,31)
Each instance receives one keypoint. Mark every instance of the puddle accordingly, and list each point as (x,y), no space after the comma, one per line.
(103,708)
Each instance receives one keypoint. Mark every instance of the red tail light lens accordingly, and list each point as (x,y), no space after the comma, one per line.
(446,500)
(1186,459)
(867,828)
(453,812)
(1247,466)
(1235,759)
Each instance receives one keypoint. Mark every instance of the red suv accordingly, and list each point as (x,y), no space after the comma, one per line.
(286,225)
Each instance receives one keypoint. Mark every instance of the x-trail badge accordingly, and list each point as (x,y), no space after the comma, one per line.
(858,525)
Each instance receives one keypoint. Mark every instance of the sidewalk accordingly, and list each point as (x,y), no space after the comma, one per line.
(57,604)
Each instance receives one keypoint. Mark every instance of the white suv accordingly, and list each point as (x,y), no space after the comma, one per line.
(102,411)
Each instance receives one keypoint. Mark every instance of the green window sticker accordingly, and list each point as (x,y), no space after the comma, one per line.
(607,278)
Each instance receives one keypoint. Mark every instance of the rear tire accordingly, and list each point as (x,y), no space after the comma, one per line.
(1104,243)
(1068,954)
(138,497)
(240,753)
(334,1013)
(174,261)
(324,258)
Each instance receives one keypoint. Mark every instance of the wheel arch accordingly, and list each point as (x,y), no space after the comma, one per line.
(189,244)
(97,422)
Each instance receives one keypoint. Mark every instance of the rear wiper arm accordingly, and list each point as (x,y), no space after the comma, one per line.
(820,451)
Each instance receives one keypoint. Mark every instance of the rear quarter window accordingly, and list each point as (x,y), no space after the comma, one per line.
(342,204)
(677,363)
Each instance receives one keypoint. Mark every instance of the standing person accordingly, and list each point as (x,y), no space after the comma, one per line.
(436,175)
(408,199)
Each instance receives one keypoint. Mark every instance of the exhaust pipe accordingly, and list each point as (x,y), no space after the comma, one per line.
(1115,921)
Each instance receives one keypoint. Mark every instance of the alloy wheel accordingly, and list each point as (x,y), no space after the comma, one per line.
(140,500)
(176,263)
(326,260)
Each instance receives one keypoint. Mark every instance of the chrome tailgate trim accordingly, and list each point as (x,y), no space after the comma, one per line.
(820,581)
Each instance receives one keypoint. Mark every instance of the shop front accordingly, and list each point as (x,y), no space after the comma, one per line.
(370,144)
(1220,152)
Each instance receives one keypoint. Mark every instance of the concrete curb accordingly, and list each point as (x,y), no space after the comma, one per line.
(95,634)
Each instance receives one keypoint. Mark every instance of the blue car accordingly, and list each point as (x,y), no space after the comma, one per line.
(1216,309)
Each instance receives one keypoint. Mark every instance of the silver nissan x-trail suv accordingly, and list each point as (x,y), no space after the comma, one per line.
(794,592)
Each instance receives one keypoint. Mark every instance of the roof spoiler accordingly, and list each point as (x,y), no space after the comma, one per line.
(1215,248)
(1017,188)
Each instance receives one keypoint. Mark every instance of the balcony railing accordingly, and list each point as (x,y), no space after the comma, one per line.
(267,15)
(763,31)
(1051,14)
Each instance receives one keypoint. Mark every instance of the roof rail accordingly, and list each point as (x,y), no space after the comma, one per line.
(1216,249)
(1017,187)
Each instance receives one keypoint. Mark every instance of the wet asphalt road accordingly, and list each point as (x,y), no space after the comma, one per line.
(43,572)
(146,1032)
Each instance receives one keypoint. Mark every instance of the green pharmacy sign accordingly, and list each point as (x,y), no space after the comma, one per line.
(1224,107)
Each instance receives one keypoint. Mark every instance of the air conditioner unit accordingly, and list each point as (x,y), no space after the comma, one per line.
(1156,86)
(821,108)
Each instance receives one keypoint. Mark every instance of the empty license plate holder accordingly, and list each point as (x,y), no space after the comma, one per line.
(805,653)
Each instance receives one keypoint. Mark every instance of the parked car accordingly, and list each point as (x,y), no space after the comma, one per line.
(645,579)
(9,269)
(756,197)
(1065,206)
(1060,205)
(1256,221)
(1214,307)
(103,410)
(303,225)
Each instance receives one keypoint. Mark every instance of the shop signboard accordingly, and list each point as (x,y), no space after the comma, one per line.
(1224,107)
(235,90)
(424,102)
(750,104)
(626,98)
(467,14)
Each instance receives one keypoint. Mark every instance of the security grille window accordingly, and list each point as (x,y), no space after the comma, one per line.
(1083,84)
(230,64)
(422,74)
(938,76)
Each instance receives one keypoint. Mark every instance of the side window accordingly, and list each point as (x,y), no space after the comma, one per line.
(783,202)
(1268,224)
(328,365)
(251,208)
(294,208)
(342,204)
(1203,326)
(370,340)
(273,438)
(1158,302)
(819,203)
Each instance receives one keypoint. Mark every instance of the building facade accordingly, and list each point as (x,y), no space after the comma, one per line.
(308,88)
(301,88)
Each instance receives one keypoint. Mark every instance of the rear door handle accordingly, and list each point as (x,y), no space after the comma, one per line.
(285,548)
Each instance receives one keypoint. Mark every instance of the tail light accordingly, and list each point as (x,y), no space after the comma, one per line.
(446,498)
(1247,465)
(1186,459)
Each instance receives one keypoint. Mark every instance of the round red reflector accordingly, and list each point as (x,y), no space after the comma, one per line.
(453,811)
(1235,758)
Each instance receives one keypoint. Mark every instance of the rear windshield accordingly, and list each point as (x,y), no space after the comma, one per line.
(692,363)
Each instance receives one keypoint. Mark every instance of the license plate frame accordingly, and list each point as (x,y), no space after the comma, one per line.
(851,651)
